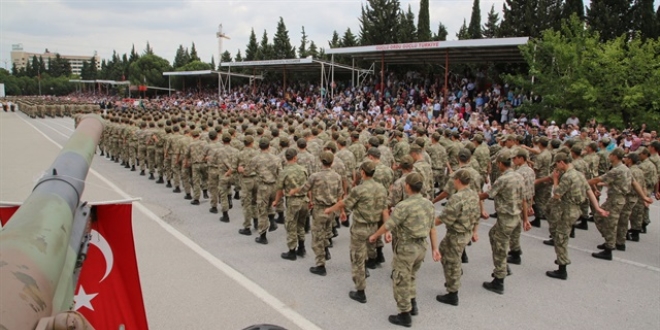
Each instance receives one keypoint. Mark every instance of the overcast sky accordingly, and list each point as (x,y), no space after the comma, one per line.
(80,27)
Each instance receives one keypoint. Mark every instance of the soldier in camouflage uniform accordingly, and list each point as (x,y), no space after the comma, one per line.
(397,191)
(291,177)
(367,203)
(196,156)
(631,211)
(326,190)
(167,158)
(542,191)
(176,156)
(401,148)
(248,185)
(649,183)
(357,148)
(267,168)
(528,175)
(422,167)
(213,172)
(385,176)
(482,155)
(438,156)
(151,149)
(159,137)
(509,205)
(142,136)
(460,215)
(603,156)
(413,222)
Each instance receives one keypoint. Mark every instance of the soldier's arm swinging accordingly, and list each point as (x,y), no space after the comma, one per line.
(433,236)
(641,192)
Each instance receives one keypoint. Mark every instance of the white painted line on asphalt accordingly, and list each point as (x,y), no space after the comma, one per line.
(630,262)
(56,131)
(67,128)
(232,273)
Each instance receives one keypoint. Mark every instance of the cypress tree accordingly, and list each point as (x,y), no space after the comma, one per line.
(252,47)
(474,29)
(423,22)
(492,24)
(282,48)
(610,18)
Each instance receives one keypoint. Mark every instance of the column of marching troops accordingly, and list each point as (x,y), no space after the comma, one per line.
(286,168)
(41,108)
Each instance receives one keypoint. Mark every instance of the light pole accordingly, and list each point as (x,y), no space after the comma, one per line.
(220,35)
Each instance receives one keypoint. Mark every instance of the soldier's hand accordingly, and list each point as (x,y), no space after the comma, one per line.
(603,212)
(526,225)
(241,169)
(436,255)
(475,237)
(530,211)
(275,203)
(326,211)
(485,215)
(657,196)
(373,238)
(648,200)
(388,237)
(343,216)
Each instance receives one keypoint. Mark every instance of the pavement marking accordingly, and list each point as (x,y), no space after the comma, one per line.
(232,273)
(67,128)
(625,261)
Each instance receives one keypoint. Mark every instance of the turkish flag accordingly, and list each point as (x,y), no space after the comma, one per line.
(108,292)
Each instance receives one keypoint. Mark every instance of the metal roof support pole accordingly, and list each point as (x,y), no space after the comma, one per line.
(382,74)
(332,72)
(169,85)
(229,77)
(353,72)
(322,77)
(446,76)
(254,83)
(284,80)
(219,84)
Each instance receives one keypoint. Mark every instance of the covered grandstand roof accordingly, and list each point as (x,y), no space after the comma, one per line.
(458,51)
(307,64)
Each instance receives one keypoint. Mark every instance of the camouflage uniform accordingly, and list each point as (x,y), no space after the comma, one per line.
(618,180)
(412,220)
(507,191)
(542,191)
(572,191)
(632,209)
(291,177)
(224,158)
(177,157)
(397,192)
(367,202)
(476,181)
(326,188)
(248,185)
(267,167)
(650,181)
(459,215)
(426,171)
(438,156)
(603,161)
(160,156)
(528,194)
(196,154)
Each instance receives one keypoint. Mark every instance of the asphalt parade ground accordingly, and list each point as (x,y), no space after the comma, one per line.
(199,273)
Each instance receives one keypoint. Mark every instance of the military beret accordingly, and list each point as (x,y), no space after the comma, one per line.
(368,167)
(374,141)
(248,140)
(618,152)
(226,137)
(406,161)
(374,152)
(478,137)
(464,155)
(605,141)
(331,146)
(327,157)
(290,153)
(213,135)
(504,156)
(264,142)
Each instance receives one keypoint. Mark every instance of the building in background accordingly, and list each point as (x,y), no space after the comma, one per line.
(21,58)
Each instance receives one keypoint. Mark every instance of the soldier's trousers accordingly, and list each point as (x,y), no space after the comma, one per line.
(198,179)
(358,252)
(160,157)
(297,212)
(186,178)
(151,159)
(142,157)
(167,167)
(637,216)
(500,235)
(214,181)
(624,218)
(320,223)
(607,225)
(566,217)
(451,248)
(514,242)
(584,208)
(265,197)
(542,196)
(176,173)
(132,154)
(439,178)
(408,258)
(249,200)
(647,214)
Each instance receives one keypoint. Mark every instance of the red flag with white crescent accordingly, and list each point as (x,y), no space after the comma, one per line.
(108,292)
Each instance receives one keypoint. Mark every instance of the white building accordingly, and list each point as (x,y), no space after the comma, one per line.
(21,58)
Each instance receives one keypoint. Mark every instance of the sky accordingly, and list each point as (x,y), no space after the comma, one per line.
(82,27)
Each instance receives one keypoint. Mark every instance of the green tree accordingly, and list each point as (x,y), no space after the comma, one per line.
(519,19)
(548,15)
(491,27)
(572,6)
(313,50)
(349,39)
(335,42)
(610,18)
(379,22)
(226,57)
(148,50)
(265,49)
(423,22)
(212,63)
(407,31)
(474,29)
(134,55)
(14,70)
(252,47)
(148,69)
(181,58)
(643,19)
(282,48)
(199,65)
(193,53)
(302,50)
(239,57)
(442,33)
(463,32)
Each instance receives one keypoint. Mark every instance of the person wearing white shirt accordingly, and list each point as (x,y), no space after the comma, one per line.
(573,121)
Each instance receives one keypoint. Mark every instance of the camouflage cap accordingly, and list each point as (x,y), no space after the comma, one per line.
(633,156)
(374,152)
(355,135)
(341,141)
(226,137)
(420,142)
(618,152)
(368,167)
(415,148)
(509,137)
(464,155)
(290,153)
(436,136)
(584,130)
(327,157)
(196,133)
(605,141)
(213,135)
(168,129)
(520,152)
(379,130)
(331,146)
(456,134)
(643,151)
(544,139)
(374,141)
(562,157)
(264,142)
(471,147)
(248,140)
(415,180)
(406,162)
(504,156)
(249,131)
(478,137)
(301,143)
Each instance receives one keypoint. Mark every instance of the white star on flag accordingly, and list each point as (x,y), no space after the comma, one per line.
(82,299)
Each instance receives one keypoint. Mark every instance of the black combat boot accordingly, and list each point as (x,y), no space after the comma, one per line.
(280,218)
(620,247)
(133,168)
(307,225)
(213,210)
(358,296)
(493,215)
(112,158)
(335,233)
(601,246)
(346,223)
(271,220)
(116,159)
(126,165)
(142,173)
(160,180)
(633,235)
(328,256)
(572,234)
(464,257)
(237,195)
(225,217)
(318,270)
(206,194)
(550,242)
(371,263)
(402,319)
(301,249)
(559,273)
(245,231)
(195,202)
(330,244)
(536,222)
(176,190)
(414,311)
(151,176)
(606,254)
(497,285)
(451,298)
(169,184)
(101,150)
(255,223)
(231,203)
(583,225)
(380,258)
(337,223)
(261,239)
(514,257)
(291,255)
(644,225)
(188,197)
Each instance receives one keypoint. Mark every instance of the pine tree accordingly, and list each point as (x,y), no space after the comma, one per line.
(226,57)
(180,58)
(335,42)
(349,39)
(148,50)
(643,19)
(93,71)
(610,18)
(264,52)
(14,70)
(423,22)
(252,47)
(407,30)
(239,57)
(572,6)
(42,65)
(193,53)
(134,55)
(302,50)
(212,64)
(84,71)
(282,48)
(519,19)
(548,15)
(463,32)
(492,24)
(442,33)
(313,50)
(474,29)
(379,22)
